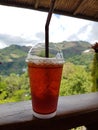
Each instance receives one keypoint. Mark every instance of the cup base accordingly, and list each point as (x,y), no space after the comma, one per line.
(44,116)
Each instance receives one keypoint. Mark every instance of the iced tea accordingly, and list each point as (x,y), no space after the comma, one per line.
(45,82)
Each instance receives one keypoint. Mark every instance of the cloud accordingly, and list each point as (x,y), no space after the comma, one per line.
(65,28)
(10,39)
(93,34)
(40,36)
(73,37)
(19,21)
(81,34)
(26,27)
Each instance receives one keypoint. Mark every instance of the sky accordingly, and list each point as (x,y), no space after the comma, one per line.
(27,27)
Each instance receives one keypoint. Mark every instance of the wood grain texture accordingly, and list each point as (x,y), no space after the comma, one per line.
(72,111)
(85,9)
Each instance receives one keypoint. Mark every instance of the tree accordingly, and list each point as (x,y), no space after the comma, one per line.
(75,80)
(14,88)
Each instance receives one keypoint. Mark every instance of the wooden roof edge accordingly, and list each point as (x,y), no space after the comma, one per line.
(84,17)
(35,7)
(36,4)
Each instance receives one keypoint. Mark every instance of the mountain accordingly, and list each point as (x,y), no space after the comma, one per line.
(13,52)
(13,57)
(73,48)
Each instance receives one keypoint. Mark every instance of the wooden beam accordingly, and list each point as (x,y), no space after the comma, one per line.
(36,3)
(72,111)
(80,7)
(46,9)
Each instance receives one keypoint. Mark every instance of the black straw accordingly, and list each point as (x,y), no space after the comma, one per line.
(47,28)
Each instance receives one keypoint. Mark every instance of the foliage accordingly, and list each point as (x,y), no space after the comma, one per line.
(83,59)
(14,88)
(95,73)
(76,77)
(75,80)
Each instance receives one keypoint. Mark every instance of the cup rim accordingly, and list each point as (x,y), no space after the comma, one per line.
(34,59)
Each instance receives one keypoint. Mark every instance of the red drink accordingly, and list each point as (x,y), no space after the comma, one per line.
(45,82)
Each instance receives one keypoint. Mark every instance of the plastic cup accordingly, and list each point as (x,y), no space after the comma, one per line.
(45,77)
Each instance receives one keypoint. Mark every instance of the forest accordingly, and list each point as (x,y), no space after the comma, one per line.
(76,79)
(76,76)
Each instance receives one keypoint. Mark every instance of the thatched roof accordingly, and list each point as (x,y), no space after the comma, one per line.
(86,9)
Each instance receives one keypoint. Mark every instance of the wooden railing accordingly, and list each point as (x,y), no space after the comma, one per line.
(73,111)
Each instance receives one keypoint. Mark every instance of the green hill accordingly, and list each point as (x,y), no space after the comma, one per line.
(13,57)
(71,49)
(13,52)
